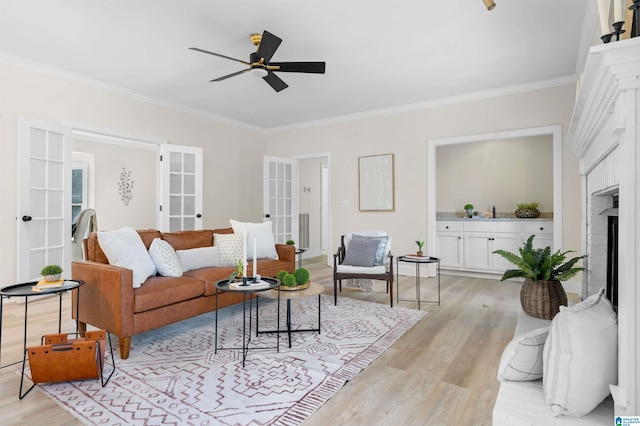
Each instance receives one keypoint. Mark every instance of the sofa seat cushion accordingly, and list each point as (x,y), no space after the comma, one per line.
(161,291)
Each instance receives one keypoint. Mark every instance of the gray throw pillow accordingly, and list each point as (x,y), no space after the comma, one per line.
(361,253)
(382,244)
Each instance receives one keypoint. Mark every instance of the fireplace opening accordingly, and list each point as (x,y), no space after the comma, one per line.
(612,253)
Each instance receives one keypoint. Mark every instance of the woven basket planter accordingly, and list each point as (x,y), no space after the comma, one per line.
(542,299)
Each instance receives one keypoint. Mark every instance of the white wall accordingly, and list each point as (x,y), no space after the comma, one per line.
(500,173)
(406,134)
(229,191)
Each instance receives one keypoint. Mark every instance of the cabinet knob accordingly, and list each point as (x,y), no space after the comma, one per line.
(446,227)
(541,228)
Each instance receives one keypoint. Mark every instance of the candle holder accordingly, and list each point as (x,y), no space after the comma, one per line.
(617,27)
(636,12)
(606,38)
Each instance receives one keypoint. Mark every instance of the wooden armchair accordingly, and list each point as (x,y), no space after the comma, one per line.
(382,269)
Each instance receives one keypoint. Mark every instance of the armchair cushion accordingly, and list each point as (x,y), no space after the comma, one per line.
(348,269)
(382,245)
(361,252)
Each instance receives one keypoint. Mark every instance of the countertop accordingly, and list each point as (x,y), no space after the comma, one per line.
(488,219)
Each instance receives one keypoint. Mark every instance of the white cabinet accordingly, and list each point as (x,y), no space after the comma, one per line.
(449,244)
(543,234)
(469,245)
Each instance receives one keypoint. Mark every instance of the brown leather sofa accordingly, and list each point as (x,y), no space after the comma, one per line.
(107,300)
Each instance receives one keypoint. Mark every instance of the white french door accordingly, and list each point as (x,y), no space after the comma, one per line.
(280,197)
(44,198)
(180,188)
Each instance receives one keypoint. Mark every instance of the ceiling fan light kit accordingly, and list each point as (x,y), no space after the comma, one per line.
(490,4)
(260,64)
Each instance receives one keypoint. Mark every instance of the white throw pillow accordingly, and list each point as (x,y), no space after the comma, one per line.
(581,356)
(200,257)
(262,233)
(165,258)
(522,358)
(125,248)
(230,248)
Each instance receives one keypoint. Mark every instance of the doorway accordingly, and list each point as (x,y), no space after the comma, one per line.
(314,204)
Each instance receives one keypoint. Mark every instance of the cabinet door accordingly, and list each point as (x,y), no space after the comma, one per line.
(508,242)
(476,250)
(449,249)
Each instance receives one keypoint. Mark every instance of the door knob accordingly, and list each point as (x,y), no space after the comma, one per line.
(198,215)
(267,215)
(26,218)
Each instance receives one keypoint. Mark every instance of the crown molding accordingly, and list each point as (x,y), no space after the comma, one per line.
(118,90)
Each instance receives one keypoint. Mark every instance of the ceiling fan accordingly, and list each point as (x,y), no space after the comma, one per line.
(260,63)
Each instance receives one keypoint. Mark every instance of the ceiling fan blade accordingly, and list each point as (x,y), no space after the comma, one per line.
(224,77)
(275,82)
(309,67)
(268,46)
(217,54)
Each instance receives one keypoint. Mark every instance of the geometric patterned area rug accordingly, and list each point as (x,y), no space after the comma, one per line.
(174,377)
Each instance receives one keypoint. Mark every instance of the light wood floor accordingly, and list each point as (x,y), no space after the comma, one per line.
(441,372)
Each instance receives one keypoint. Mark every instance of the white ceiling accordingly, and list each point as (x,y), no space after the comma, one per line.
(381,55)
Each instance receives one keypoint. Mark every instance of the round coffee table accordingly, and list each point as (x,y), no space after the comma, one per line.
(314,289)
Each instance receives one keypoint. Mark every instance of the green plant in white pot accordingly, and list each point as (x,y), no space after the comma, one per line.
(542,293)
(51,272)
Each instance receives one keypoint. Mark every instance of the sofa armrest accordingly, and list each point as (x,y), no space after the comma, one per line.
(106,299)
(286,253)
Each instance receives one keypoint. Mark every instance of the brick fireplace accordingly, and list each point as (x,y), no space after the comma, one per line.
(605,136)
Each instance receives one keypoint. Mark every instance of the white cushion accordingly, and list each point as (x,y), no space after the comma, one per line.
(165,259)
(200,257)
(361,269)
(581,356)
(522,358)
(125,248)
(230,248)
(262,233)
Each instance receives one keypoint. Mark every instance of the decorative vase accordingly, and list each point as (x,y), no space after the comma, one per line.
(542,299)
(54,277)
(469,212)
(527,213)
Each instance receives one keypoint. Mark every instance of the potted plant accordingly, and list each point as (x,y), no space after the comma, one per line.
(299,280)
(420,244)
(51,272)
(469,209)
(290,243)
(527,210)
(542,293)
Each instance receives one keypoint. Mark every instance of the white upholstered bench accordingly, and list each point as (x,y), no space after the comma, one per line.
(523,403)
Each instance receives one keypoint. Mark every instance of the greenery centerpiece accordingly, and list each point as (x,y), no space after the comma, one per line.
(299,280)
(51,272)
(419,243)
(527,210)
(542,293)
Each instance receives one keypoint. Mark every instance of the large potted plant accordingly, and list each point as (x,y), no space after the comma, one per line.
(542,293)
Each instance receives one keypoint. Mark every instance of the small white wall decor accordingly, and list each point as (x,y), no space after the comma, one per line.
(125,186)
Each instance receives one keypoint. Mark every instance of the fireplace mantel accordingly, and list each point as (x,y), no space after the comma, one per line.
(605,136)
